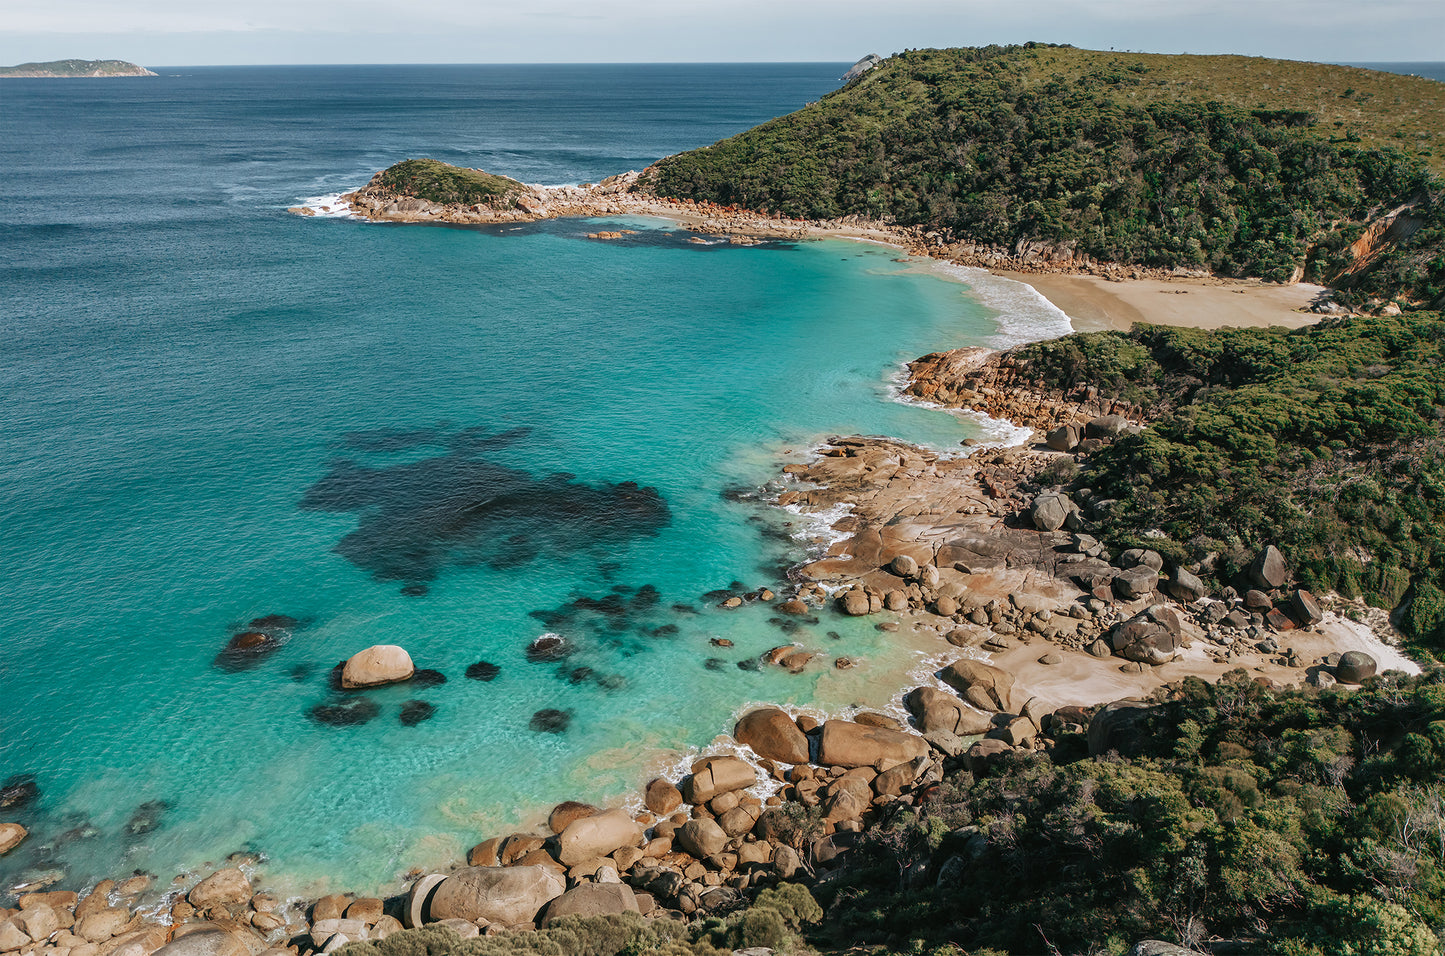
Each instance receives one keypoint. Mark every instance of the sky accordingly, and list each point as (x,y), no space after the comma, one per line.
(198,32)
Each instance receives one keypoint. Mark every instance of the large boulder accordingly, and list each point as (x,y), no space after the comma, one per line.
(983,685)
(904,566)
(1120,727)
(377,665)
(1106,427)
(1185,586)
(661,797)
(772,734)
(568,811)
(714,775)
(227,887)
(1050,510)
(1063,438)
(1149,637)
(1305,608)
(597,835)
(934,710)
(854,602)
(846,744)
(592,899)
(1268,570)
(1354,667)
(418,898)
(497,894)
(11,834)
(702,838)
(1141,558)
(1134,583)
(223,938)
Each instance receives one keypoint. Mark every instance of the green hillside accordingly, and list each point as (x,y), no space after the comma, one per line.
(1243,166)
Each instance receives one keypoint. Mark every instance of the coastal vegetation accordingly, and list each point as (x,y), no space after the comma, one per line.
(1241,166)
(1298,822)
(438,182)
(1328,441)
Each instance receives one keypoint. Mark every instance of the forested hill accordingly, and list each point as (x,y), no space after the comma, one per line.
(66,69)
(1239,165)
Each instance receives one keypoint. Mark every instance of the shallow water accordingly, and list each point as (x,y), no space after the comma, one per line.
(441,438)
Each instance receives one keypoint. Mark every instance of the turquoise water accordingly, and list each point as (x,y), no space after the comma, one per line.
(215,411)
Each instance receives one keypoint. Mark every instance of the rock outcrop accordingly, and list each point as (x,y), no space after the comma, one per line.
(377,666)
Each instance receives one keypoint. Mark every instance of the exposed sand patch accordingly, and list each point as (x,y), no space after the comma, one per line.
(1095,304)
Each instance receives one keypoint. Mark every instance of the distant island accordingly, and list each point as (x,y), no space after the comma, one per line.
(69,69)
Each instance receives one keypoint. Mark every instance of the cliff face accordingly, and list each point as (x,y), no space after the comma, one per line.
(71,69)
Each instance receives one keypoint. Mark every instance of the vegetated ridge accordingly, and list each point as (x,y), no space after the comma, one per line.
(1327,441)
(1241,166)
(439,182)
(74,68)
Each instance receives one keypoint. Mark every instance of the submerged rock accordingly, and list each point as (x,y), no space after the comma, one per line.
(246,650)
(417,518)
(345,713)
(428,678)
(146,818)
(549,648)
(483,671)
(19,791)
(550,721)
(414,712)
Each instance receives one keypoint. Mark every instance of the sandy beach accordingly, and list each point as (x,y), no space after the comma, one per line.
(1097,305)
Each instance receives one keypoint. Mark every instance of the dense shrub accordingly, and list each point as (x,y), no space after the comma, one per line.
(439,182)
(1304,822)
(1004,145)
(1326,441)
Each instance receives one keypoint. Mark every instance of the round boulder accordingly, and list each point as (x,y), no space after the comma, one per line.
(702,838)
(904,566)
(596,835)
(772,734)
(497,894)
(567,812)
(1354,667)
(854,603)
(228,886)
(662,798)
(377,666)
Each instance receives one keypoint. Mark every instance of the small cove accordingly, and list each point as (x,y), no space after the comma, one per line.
(218,412)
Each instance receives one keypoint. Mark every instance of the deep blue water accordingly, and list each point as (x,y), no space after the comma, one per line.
(450,439)
(1430,70)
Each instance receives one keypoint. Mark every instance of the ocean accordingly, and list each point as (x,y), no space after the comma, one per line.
(221,418)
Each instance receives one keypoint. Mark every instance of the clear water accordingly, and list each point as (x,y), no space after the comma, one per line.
(215,411)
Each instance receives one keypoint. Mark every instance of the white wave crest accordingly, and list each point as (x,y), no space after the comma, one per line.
(329,206)
(1024,315)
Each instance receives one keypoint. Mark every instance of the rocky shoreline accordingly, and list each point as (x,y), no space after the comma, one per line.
(619,196)
(1050,639)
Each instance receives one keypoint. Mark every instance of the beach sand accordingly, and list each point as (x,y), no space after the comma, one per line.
(1095,304)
